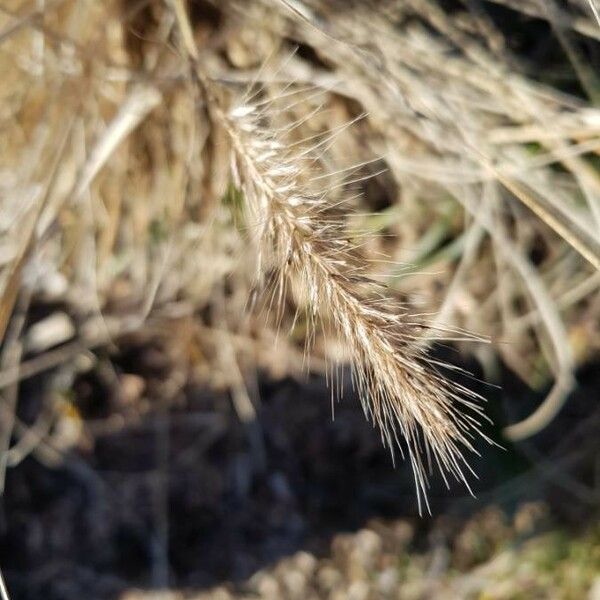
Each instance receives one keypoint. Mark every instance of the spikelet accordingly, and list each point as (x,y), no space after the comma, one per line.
(431,420)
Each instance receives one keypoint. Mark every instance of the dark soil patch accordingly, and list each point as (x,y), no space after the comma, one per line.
(186,495)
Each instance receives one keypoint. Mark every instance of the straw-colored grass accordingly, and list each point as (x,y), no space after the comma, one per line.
(121,205)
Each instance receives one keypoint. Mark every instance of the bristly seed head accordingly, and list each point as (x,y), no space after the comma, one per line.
(418,411)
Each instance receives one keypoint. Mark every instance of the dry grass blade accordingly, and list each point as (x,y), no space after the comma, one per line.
(584,243)
(3,591)
(549,315)
(595,10)
(140,101)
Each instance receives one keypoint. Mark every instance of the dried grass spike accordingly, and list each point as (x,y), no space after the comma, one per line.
(431,420)
(400,390)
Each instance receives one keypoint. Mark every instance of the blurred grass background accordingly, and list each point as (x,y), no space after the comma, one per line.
(144,395)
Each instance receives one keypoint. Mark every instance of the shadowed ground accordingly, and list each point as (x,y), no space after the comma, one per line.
(185,496)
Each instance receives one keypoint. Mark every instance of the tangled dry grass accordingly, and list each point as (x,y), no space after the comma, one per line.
(121,206)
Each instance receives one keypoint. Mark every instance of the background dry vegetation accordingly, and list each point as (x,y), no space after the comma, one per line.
(456,146)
